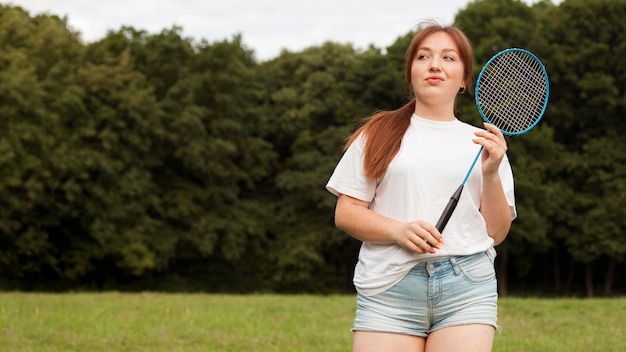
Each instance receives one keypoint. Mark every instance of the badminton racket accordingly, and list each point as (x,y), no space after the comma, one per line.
(511,93)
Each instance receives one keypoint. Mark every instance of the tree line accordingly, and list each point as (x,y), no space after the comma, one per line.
(152,161)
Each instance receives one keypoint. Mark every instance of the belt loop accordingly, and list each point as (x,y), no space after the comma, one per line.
(456,268)
(491,253)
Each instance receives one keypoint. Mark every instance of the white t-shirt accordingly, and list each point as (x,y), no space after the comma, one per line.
(433,159)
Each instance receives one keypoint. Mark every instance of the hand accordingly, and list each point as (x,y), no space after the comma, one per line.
(494,148)
(419,237)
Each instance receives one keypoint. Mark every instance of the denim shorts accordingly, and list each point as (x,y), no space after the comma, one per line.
(434,295)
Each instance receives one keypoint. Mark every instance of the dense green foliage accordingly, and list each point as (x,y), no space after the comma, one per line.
(153,161)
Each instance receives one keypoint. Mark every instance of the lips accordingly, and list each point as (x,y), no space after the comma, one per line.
(434,79)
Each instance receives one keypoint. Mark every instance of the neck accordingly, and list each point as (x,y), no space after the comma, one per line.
(436,112)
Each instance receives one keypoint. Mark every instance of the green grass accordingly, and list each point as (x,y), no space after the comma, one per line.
(562,325)
(203,322)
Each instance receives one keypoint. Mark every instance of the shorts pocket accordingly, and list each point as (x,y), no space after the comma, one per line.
(478,271)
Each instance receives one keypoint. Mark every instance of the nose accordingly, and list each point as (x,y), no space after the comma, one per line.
(434,66)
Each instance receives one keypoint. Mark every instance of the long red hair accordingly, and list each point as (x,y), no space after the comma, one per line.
(384,130)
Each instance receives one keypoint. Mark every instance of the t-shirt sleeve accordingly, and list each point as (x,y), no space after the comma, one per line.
(349,178)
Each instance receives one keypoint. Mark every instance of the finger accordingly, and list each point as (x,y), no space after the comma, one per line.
(410,245)
(484,136)
(433,232)
(493,129)
(429,234)
(417,245)
(489,146)
(423,244)
(499,136)
(492,145)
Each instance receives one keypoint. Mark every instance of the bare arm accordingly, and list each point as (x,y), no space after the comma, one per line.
(495,209)
(355,218)
(494,206)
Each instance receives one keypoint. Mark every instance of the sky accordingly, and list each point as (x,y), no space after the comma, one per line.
(266,26)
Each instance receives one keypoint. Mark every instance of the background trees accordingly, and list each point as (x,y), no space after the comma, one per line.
(588,58)
(152,161)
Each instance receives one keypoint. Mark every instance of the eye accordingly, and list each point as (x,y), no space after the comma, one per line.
(422,56)
(449,58)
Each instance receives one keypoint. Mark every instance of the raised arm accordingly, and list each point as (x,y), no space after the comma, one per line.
(493,206)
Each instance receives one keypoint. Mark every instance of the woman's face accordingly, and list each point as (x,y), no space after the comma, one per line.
(437,70)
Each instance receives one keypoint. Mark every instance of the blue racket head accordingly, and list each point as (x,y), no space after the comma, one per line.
(512,91)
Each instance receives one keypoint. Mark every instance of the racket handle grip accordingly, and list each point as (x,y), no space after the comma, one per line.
(447,212)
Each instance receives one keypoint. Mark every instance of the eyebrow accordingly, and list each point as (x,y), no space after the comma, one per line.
(425,48)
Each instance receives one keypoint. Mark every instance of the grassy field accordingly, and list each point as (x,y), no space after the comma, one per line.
(203,322)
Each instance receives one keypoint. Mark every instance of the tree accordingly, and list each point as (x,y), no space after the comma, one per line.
(31,131)
(590,107)
(213,158)
(308,112)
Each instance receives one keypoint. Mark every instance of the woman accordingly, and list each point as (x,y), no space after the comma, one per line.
(418,289)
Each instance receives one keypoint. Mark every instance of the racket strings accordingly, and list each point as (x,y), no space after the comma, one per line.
(513,91)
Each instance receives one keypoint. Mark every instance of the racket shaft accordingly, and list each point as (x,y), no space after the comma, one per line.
(447,212)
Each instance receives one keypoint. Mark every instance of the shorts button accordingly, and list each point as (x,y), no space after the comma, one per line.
(431,266)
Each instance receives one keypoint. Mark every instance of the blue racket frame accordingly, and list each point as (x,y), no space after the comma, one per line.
(480,77)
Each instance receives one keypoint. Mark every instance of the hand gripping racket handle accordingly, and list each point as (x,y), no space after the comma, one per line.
(447,212)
